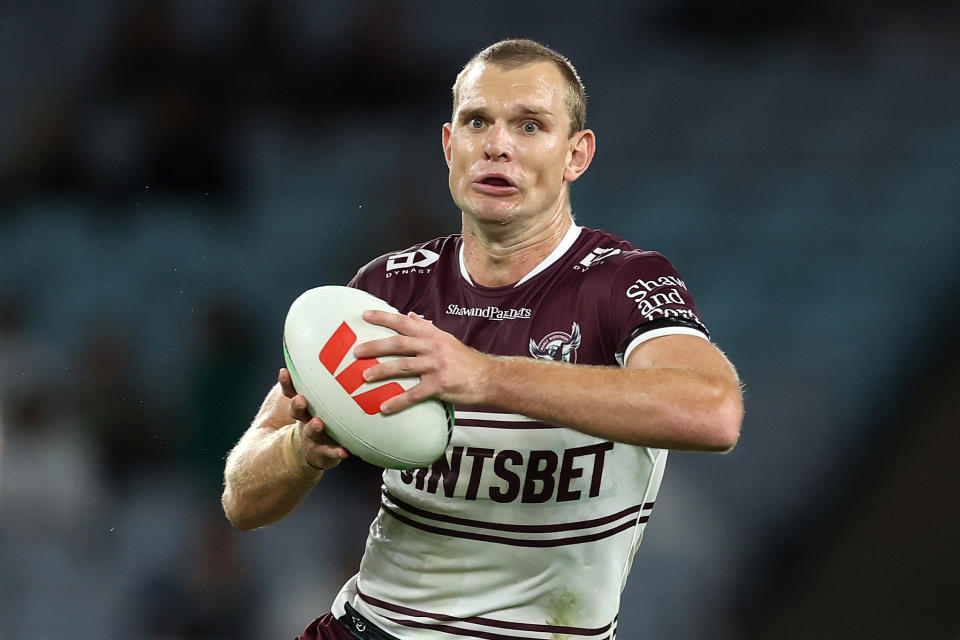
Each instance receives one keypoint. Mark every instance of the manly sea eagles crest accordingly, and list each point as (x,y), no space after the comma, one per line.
(558,346)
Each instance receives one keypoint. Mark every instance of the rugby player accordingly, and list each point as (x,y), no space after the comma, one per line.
(575,362)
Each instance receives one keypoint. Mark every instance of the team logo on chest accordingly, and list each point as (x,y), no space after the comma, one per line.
(558,345)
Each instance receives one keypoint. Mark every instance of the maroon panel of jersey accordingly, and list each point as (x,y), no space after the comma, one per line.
(586,306)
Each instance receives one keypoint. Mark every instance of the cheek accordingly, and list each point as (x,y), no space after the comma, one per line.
(455,163)
(460,159)
(552,158)
(459,182)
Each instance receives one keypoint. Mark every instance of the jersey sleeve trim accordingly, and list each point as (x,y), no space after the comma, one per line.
(639,339)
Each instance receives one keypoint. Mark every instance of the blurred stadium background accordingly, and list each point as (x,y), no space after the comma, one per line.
(174,172)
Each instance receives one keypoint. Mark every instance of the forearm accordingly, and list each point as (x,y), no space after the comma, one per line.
(673,408)
(264,480)
(676,391)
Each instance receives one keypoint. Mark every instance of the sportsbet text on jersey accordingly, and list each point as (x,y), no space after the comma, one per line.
(546,475)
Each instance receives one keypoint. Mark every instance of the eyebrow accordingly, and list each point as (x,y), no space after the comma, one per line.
(534,112)
(524,110)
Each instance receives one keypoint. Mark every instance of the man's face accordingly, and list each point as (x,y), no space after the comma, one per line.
(508,147)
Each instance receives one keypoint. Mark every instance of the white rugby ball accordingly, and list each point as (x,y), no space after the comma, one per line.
(319,334)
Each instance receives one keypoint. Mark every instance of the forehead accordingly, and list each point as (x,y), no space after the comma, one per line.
(539,85)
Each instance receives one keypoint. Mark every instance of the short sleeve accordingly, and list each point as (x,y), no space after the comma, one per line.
(357,282)
(370,278)
(649,299)
(379,277)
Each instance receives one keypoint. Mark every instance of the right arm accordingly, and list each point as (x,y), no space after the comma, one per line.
(278,460)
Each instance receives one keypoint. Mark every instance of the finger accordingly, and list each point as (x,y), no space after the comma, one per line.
(395,404)
(314,434)
(298,408)
(324,457)
(410,397)
(312,430)
(393,346)
(399,368)
(320,447)
(405,324)
(286,383)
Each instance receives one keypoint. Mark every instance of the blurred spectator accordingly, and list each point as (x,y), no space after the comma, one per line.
(51,485)
(25,365)
(113,400)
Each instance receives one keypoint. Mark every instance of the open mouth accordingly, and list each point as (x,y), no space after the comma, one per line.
(496,181)
(495,185)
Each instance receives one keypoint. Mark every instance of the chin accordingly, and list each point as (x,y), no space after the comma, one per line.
(498,216)
(492,210)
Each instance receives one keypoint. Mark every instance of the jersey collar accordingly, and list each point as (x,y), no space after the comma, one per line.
(568,239)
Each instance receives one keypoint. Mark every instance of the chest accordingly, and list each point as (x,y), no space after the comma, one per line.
(561,323)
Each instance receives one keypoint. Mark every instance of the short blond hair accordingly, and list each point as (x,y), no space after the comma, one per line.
(520,52)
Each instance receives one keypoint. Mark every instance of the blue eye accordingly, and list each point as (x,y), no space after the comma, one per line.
(530,127)
(476,122)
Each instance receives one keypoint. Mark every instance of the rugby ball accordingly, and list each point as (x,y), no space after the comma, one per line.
(321,329)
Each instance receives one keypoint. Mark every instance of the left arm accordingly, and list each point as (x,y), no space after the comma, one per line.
(676,392)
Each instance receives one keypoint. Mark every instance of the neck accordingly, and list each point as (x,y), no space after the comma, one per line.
(499,254)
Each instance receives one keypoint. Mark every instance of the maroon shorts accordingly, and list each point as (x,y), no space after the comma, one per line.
(326,627)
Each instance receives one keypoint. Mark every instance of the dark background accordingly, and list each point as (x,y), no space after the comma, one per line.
(173,173)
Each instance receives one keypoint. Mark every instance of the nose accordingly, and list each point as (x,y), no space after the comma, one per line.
(496,143)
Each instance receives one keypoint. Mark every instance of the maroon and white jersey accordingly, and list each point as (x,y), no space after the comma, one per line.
(523,529)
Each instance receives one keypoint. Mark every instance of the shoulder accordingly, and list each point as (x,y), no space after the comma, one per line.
(399,276)
(638,289)
(604,254)
(419,256)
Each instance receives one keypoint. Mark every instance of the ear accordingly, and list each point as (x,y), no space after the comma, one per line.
(583,145)
(447,131)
